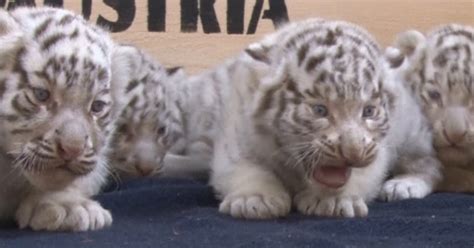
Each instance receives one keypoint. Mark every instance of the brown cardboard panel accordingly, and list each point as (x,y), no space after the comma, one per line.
(197,51)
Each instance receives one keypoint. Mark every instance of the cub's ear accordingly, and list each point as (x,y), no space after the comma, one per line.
(258,53)
(410,42)
(256,57)
(176,73)
(125,63)
(174,70)
(270,73)
(125,59)
(11,37)
(408,48)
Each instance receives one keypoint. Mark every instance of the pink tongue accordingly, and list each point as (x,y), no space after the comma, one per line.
(331,176)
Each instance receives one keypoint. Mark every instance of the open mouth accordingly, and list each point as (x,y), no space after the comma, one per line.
(332,176)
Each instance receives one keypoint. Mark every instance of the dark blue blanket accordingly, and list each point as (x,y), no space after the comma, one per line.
(179,213)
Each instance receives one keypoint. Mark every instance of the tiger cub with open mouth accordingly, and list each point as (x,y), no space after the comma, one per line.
(309,118)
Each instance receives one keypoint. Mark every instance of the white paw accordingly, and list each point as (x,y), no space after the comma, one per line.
(404,188)
(342,206)
(256,206)
(51,215)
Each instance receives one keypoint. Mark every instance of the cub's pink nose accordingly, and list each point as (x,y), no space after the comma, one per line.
(69,152)
(353,154)
(455,125)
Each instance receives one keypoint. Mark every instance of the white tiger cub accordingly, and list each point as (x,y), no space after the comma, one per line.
(440,69)
(160,123)
(55,100)
(308,118)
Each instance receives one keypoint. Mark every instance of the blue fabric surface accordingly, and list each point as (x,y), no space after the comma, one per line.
(181,213)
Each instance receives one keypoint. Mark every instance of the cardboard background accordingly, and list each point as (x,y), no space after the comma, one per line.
(197,51)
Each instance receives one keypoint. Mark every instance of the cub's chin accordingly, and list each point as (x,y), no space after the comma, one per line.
(454,156)
(137,174)
(55,178)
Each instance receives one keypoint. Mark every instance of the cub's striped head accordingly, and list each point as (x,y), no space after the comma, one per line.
(329,112)
(440,68)
(149,116)
(55,94)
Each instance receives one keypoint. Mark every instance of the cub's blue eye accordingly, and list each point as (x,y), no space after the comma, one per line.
(123,128)
(161,130)
(368,111)
(321,110)
(434,94)
(98,106)
(41,95)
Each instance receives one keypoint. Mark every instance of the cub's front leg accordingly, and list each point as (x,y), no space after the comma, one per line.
(416,179)
(67,210)
(251,192)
